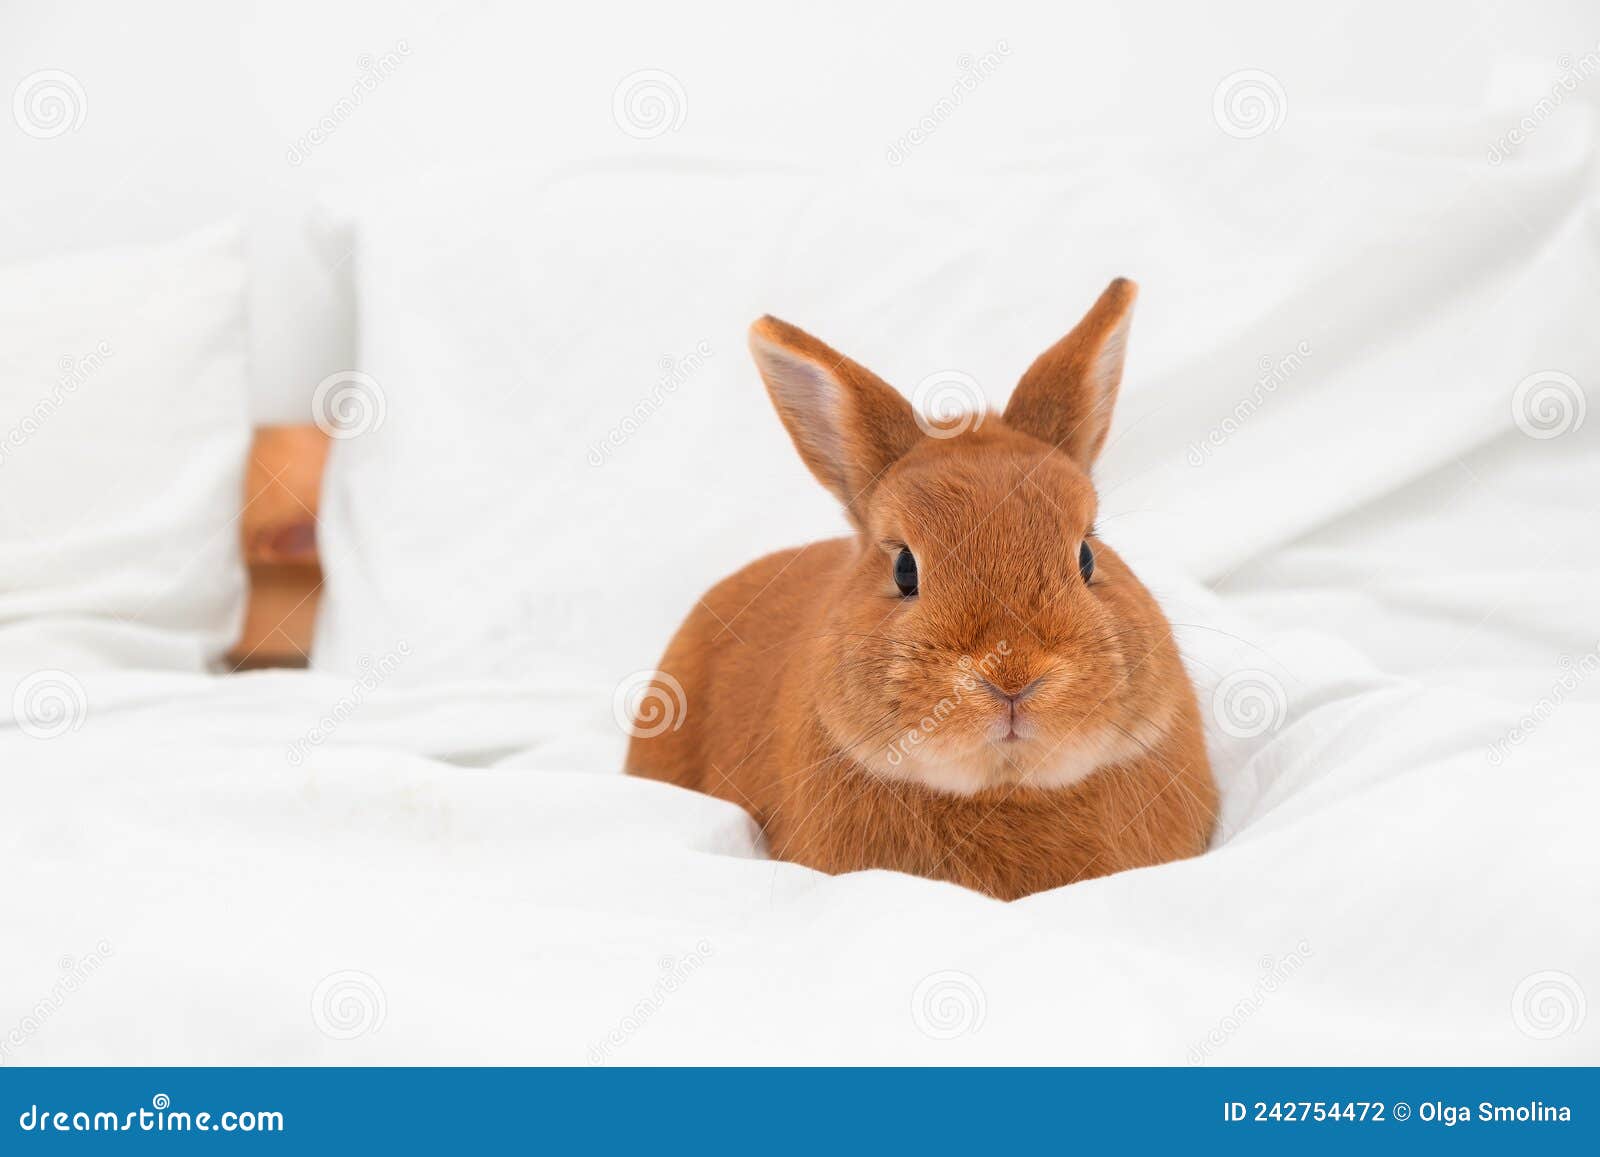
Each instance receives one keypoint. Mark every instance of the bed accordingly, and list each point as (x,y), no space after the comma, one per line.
(287,866)
(375,815)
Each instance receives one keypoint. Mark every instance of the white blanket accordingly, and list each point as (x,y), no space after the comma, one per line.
(293,868)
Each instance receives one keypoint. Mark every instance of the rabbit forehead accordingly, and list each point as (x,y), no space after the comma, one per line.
(981,491)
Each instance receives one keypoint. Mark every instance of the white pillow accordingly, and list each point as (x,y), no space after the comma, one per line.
(562,441)
(573,444)
(124,434)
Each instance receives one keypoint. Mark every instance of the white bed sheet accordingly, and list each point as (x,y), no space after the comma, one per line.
(457,874)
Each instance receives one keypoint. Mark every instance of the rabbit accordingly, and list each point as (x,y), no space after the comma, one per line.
(973,687)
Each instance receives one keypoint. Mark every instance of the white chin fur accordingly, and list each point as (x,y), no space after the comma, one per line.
(1073,761)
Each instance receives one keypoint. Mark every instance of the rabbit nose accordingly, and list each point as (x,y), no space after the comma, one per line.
(1012,698)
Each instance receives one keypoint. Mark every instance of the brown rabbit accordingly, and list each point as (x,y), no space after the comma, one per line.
(973,687)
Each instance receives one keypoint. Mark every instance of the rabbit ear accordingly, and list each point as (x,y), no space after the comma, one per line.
(848,424)
(1067,395)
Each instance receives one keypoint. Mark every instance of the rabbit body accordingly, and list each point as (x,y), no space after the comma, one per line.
(973,687)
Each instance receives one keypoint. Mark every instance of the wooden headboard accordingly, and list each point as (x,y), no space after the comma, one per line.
(282,488)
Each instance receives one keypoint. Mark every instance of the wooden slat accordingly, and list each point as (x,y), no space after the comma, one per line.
(278,625)
(282,490)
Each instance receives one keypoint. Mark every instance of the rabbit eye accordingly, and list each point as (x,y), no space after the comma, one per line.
(1086,562)
(905,572)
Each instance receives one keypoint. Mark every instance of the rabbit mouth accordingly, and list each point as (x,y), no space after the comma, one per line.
(1010,733)
(1061,763)
(1011,730)
(1013,751)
